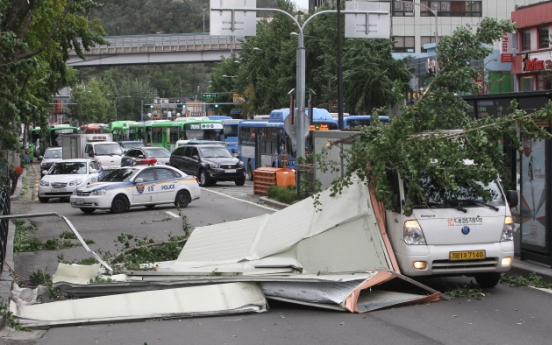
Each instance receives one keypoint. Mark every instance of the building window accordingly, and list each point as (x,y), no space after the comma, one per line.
(403,8)
(526,40)
(403,44)
(425,40)
(527,83)
(543,38)
(451,8)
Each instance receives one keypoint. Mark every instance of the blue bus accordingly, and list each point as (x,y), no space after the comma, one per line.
(219,117)
(270,139)
(321,119)
(230,134)
(355,121)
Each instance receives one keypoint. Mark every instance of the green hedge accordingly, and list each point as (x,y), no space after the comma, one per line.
(287,195)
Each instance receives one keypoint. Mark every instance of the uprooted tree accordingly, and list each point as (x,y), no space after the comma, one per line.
(403,146)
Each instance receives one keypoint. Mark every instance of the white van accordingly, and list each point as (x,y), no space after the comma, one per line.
(453,234)
(108,153)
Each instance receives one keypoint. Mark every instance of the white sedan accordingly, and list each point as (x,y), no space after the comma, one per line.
(137,186)
(66,175)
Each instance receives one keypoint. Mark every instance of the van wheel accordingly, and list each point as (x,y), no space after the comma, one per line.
(182,199)
(249,171)
(487,280)
(204,178)
(240,181)
(119,204)
(43,200)
(87,210)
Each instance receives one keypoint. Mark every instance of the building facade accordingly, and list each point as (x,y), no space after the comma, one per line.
(532,57)
(414,23)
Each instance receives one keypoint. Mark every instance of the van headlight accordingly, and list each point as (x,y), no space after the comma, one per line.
(412,233)
(44,183)
(507,230)
(98,192)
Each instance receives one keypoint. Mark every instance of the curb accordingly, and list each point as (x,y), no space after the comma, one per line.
(17,191)
(276,204)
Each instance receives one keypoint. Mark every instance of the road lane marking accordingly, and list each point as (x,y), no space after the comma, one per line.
(238,199)
(172,214)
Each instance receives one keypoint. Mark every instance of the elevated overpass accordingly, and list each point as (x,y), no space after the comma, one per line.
(158,49)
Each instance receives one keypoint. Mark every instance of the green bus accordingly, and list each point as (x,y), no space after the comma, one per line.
(38,144)
(120,130)
(166,133)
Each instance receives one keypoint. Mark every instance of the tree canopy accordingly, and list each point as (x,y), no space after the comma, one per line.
(419,143)
(35,39)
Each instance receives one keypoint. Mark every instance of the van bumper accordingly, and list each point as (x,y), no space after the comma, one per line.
(437,259)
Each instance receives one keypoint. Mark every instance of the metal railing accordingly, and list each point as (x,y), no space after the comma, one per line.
(5,208)
(137,44)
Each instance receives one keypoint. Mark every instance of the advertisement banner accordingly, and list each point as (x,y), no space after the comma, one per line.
(533,193)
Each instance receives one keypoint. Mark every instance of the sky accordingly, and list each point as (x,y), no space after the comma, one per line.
(302,3)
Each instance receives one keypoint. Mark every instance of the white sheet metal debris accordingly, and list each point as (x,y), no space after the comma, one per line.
(190,301)
(336,257)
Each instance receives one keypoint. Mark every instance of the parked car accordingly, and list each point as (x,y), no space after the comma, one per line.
(209,162)
(143,185)
(66,175)
(128,144)
(51,155)
(149,155)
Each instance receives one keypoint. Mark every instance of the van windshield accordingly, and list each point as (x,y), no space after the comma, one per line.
(108,149)
(437,196)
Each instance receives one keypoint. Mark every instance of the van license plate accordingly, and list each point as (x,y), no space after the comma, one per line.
(80,201)
(230,170)
(467,255)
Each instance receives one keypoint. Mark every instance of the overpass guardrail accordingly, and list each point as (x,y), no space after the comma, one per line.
(164,43)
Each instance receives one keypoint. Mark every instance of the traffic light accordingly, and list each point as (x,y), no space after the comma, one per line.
(151,106)
(216,105)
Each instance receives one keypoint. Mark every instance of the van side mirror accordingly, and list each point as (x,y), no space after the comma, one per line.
(91,154)
(396,203)
(512,198)
(196,157)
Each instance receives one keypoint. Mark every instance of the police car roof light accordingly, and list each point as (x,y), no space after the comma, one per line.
(151,161)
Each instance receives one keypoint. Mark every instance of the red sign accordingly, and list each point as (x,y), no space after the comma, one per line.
(506,48)
(506,57)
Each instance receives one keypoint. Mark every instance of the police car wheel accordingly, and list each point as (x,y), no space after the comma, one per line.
(43,200)
(87,210)
(182,199)
(119,204)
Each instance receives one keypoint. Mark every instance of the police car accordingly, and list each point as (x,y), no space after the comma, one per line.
(132,186)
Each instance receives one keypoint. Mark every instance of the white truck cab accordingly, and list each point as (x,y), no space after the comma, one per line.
(107,153)
(453,234)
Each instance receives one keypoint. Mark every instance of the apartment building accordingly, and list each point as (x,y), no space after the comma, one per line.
(532,52)
(414,23)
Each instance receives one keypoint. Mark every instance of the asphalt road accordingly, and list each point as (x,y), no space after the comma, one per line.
(505,315)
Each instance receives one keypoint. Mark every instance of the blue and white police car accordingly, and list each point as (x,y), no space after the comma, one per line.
(127,187)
